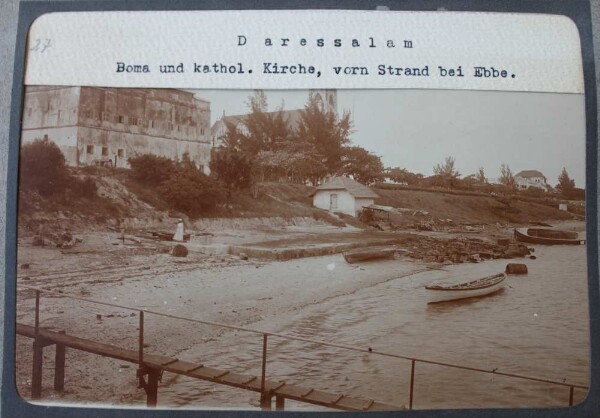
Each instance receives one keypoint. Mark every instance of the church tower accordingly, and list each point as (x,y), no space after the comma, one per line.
(327,99)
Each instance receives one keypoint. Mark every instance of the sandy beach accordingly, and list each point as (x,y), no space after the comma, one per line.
(219,288)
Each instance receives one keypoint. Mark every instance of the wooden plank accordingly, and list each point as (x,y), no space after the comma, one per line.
(353,404)
(158,361)
(378,406)
(106,350)
(205,373)
(321,398)
(182,367)
(237,380)
(292,391)
(270,385)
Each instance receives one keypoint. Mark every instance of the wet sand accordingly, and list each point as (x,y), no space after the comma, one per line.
(222,289)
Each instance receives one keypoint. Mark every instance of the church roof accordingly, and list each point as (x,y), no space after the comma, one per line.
(293,117)
(353,187)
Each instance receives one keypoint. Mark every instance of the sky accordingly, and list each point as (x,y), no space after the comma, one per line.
(417,129)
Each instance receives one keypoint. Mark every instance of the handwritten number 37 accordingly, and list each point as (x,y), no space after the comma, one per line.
(40,45)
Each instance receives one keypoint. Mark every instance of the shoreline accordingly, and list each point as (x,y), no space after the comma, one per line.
(222,288)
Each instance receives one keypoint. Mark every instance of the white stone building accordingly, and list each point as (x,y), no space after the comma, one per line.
(531,178)
(107,126)
(342,194)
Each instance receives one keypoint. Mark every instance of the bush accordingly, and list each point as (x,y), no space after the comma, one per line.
(232,168)
(150,169)
(83,187)
(534,192)
(190,191)
(43,168)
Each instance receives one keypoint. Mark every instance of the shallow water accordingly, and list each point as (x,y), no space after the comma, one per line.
(536,326)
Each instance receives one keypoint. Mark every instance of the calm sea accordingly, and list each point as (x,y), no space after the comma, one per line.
(536,326)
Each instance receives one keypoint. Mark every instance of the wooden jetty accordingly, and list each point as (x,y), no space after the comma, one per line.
(152,366)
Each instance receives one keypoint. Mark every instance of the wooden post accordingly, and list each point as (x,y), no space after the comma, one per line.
(140,370)
(59,367)
(36,375)
(151,388)
(38,354)
(265,400)
(37,313)
(141,340)
(571,396)
(279,403)
(412,384)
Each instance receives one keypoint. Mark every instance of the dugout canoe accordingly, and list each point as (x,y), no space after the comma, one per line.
(548,236)
(474,288)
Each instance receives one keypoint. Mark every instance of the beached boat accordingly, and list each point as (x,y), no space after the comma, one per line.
(479,287)
(370,254)
(548,236)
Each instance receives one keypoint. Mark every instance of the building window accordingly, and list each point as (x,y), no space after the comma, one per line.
(150,123)
(89,149)
(104,151)
(45,137)
(59,117)
(201,131)
(121,119)
(121,153)
(29,112)
(105,116)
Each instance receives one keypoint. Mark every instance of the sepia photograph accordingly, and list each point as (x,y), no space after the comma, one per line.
(302,250)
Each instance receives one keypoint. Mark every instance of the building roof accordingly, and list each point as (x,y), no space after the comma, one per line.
(353,187)
(529,174)
(293,117)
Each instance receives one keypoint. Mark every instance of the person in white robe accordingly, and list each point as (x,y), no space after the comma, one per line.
(179,230)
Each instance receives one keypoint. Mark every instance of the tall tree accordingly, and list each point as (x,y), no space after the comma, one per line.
(446,169)
(266,131)
(43,168)
(233,168)
(565,185)
(506,176)
(481,176)
(402,175)
(327,134)
(363,166)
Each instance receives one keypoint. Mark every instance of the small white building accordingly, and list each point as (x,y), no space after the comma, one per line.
(342,194)
(531,178)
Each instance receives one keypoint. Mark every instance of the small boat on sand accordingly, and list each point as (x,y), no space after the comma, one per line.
(370,254)
(548,236)
(479,287)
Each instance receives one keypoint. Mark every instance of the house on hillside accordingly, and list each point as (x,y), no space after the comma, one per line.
(107,125)
(531,178)
(342,194)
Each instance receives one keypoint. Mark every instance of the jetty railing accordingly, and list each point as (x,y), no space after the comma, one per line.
(266,393)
